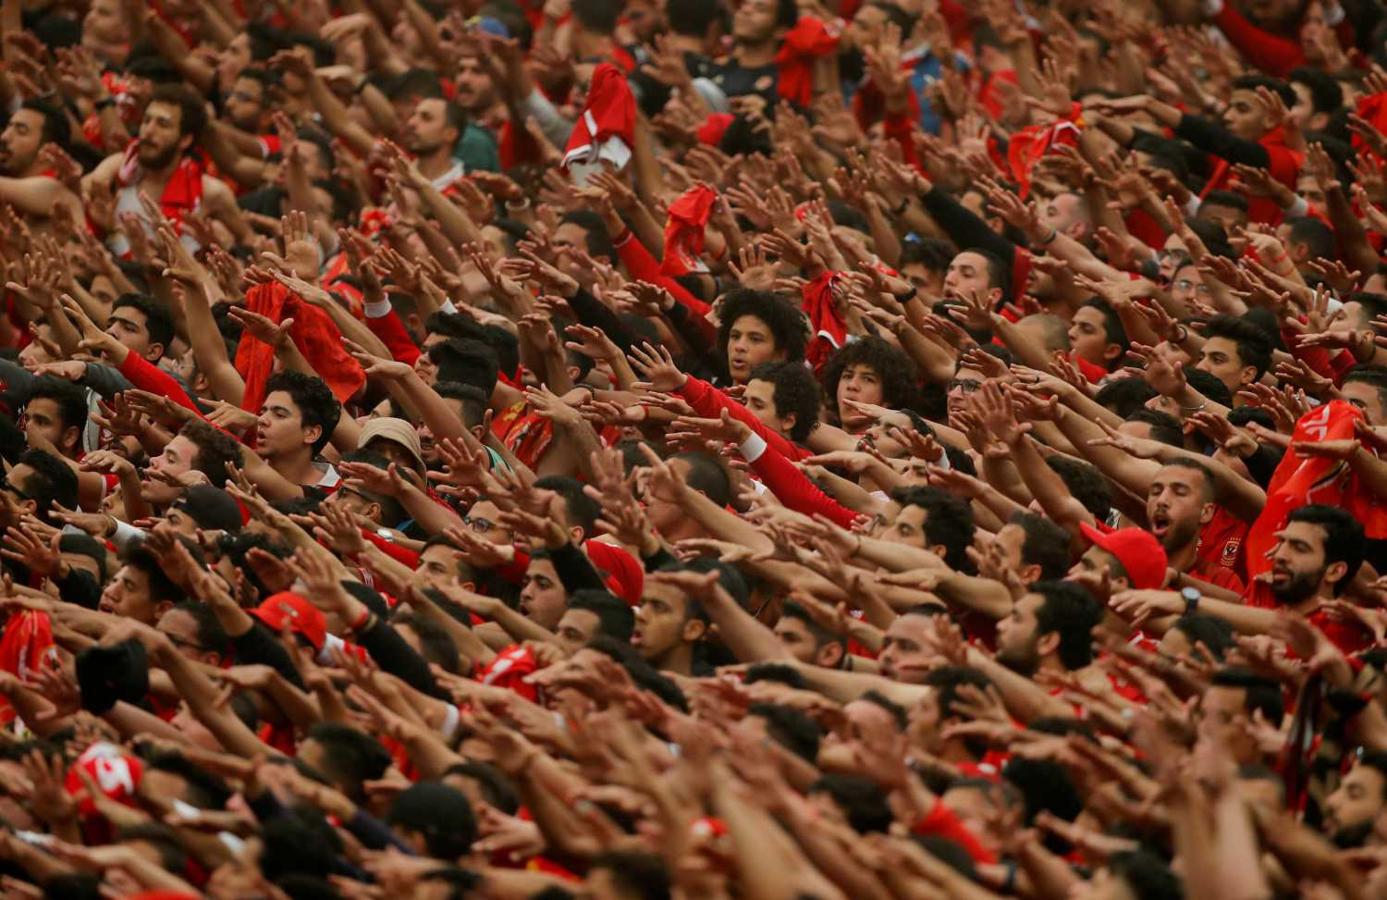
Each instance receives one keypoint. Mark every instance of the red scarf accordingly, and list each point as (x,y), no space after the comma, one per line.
(183,192)
(825,321)
(1302,480)
(1028,145)
(688,217)
(313,332)
(26,643)
(805,44)
(607,127)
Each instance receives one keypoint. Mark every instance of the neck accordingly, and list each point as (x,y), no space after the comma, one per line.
(436,163)
(755,55)
(297,467)
(1180,560)
(1309,604)
(683,530)
(678,660)
(159,177)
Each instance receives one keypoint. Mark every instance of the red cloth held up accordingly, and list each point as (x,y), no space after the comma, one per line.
(688,217)
(806,43)
(606,130)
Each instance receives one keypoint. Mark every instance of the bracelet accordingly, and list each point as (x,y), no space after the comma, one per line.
(907,297)
(1050,239)
(900,209)
(1194,409)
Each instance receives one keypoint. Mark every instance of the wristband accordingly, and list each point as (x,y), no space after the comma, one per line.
(907,297)
(105,102)
(1049,239)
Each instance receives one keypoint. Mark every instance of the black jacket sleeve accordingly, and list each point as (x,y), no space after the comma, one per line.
(1214,138)
(594,313)
(393,655)
(259,646)
(964,228)
(575,569)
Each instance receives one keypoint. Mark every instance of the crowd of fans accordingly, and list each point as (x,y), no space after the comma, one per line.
(633,449)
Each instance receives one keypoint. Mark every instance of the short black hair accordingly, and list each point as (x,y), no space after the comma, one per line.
(1045,544)
(1085,483)
(1253,347)
(496,787)
(70,399)
(615,618)
(796,392)
(211,636)
(316,403)
(894,709)
(161,587)
(1326,94)
(1070,611)
(1210,385)
(193,115)
(217,451)
(1261,693)
(820,634)
(599,243)
(1124,396)
(636,875)
(351,757)
(1164,427)
(946,680)
(56,129)
(863,802)
(790,728)
(435,644)
(209,791)
(707,476)
(1376,376)
(787,323)
(897,373)
(1252,82)
(467,361)
(1317,237)
(50,482)
(157,319)
(583,511)
(599,16)
(776,673)
(998,271)
(1231,199)
(1344,540)
(690,18)
(1146,875)
(474,402)
(1209,630)
(948,520)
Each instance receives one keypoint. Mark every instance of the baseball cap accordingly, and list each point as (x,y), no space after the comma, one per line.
(212,508)
(303,617)
(620,571)
(387,428)
(1136,549)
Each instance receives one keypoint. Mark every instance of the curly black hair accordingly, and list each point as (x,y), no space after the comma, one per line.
(900,380)
(788,324)
(315,400)
(796,392)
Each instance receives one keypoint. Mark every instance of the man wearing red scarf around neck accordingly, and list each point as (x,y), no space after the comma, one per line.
(161,164)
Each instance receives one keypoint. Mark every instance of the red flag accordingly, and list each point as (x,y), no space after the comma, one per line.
(1302,480)
(1029,144)
(607,128)
(688,217)
(313,332)
(26,643)
(806,43)
(829,331)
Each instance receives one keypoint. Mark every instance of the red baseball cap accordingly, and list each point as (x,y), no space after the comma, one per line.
(303,617)
(622,572)
(1136,549)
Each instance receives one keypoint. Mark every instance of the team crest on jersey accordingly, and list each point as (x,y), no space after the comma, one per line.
(1230,553)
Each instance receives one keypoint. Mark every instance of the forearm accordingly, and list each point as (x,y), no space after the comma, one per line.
(983,595)
(1024,699)
(748,639)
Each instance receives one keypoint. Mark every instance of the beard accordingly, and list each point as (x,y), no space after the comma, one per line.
(1021,660)
(1180,535)
(152,159)
(1352,836)
(1300,587)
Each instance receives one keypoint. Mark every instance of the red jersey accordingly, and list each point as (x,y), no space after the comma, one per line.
(1220,546)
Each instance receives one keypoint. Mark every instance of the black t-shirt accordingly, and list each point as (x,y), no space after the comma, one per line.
(739,81)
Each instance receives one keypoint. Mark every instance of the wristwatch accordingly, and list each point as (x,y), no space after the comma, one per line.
(1192,597)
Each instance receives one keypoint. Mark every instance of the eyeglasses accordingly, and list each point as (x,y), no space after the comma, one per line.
(478,524)
(184,643)
(11,489)
(966,385)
